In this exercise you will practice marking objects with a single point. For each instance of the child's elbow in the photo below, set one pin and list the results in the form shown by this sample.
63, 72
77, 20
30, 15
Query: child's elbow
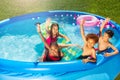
117, 51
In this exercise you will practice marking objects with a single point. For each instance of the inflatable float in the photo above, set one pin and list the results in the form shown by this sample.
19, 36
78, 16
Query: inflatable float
13, 68
90, 21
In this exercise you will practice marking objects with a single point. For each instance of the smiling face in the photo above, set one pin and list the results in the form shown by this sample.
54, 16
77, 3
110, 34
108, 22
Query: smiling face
54, 48
106, 37
90, 43
91, 39
55, 30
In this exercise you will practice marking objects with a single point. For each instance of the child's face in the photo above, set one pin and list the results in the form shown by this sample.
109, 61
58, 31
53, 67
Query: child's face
90, 43
54, 49
106, 37
55, 30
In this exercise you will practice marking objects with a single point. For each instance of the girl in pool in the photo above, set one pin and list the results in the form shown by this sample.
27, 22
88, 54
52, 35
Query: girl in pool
103, 43
53, 33
52, 51
89, 53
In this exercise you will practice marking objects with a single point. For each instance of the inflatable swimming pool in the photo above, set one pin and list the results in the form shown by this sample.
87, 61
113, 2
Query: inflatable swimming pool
21, 46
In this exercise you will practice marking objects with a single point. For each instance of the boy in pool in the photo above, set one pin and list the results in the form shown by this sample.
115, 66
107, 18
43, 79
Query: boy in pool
52, 51
103, 43
89, 53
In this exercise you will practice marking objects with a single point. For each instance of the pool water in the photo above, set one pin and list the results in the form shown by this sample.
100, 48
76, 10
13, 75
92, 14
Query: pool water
20, 41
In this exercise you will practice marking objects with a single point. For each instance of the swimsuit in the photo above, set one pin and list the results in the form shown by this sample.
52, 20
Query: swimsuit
48, 57
103, 51
49, 40
85, 57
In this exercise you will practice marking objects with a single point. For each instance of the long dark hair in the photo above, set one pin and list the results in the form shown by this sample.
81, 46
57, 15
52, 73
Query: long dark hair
53, 24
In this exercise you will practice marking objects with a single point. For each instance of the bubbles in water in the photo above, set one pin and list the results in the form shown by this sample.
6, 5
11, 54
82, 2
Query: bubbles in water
19, 47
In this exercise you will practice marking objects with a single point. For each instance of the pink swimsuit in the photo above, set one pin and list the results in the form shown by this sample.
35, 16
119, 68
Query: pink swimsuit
50, 40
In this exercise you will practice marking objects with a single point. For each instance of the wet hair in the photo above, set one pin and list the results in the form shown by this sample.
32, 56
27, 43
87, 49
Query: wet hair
92, 36
110, 33
53, 24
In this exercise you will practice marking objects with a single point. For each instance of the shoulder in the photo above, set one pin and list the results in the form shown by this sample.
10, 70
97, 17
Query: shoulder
110, 44
100, 38
60, 34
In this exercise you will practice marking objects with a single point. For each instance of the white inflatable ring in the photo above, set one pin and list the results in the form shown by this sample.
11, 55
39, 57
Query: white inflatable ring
90, 21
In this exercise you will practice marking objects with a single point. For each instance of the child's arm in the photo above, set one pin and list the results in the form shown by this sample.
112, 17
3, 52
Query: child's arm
61, 54
41, 36
92, 58
82, 30
103, 25
68, 45
66, 38
113, 53
47, 24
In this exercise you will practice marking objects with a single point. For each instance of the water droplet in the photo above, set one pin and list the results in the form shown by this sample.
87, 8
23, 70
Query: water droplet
73, 24
62, 15
67, 15
38, 17
33, 18
55, 15
71, 15
78, 15
74, 18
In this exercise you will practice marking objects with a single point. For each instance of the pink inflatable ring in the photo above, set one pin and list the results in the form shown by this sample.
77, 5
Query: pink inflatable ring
90, 21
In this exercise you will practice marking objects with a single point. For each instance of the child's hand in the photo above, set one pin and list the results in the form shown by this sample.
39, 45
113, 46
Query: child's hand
48, 21
77, 45
107, 54
107, 20
82, 22
38, 28
40, 59
103, 24
85, 60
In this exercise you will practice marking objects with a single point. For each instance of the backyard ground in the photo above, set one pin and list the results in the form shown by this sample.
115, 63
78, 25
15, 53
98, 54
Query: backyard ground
105, 8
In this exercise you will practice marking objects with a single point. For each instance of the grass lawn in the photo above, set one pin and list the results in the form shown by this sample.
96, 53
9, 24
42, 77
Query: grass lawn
105, 8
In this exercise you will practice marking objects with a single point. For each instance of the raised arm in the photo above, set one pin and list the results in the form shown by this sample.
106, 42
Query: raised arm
66, 38
103, 25
41, 36
82, 30
113, 53
47, 24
